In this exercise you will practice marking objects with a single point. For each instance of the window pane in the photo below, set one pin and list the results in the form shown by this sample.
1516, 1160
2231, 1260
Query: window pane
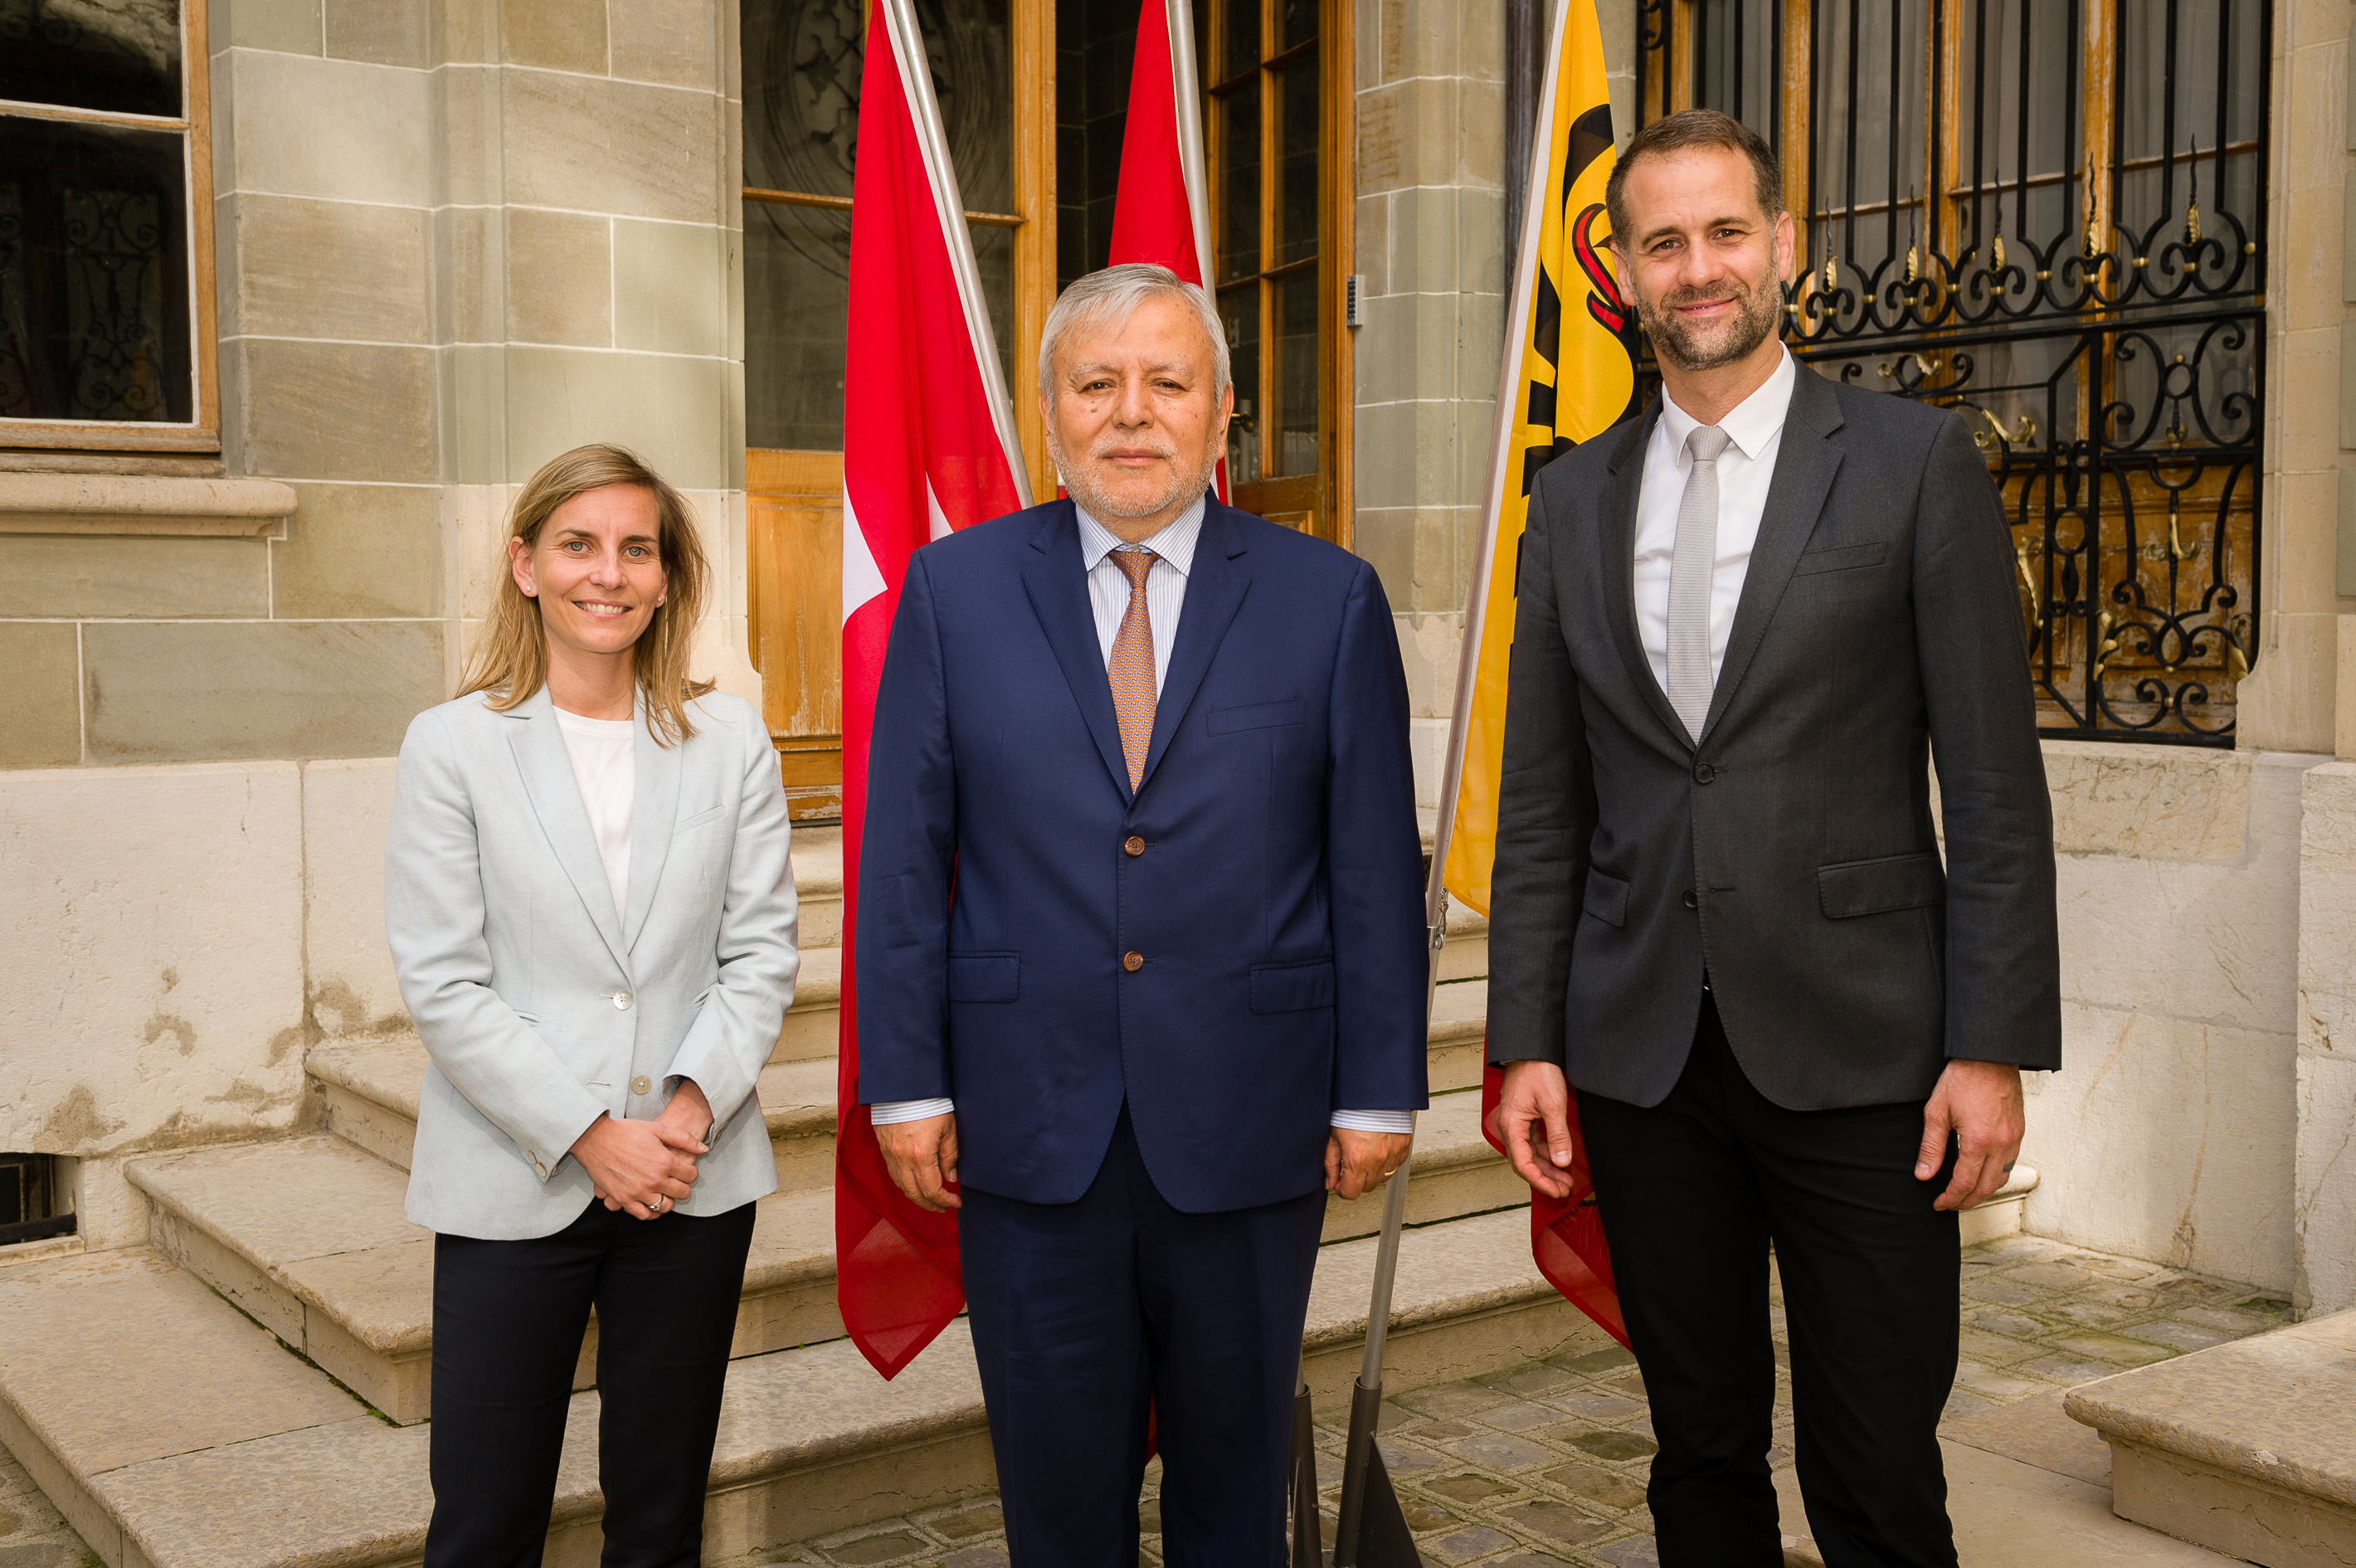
2215, 45
1239, 183
1296, 23
1869, 150
1296, 160
803, 60
94, 273
797, 272
2040, 84
1239, 27
1734, 60
1239, 307
121, 55
1296, 372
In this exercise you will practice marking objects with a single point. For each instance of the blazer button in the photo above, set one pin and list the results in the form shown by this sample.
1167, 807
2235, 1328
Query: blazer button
1704, 773
623, 999
1693, 900
1132, 847
1132, 961
642, 1084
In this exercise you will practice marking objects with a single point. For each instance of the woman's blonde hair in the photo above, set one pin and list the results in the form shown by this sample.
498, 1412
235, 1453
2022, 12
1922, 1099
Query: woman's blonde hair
511, 661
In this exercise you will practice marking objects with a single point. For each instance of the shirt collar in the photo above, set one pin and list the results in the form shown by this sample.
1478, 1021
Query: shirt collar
1751, 425
1174, 544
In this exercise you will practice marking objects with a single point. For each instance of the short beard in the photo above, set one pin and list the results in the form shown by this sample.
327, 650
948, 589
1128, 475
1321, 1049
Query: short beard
1185, 484
1756, 314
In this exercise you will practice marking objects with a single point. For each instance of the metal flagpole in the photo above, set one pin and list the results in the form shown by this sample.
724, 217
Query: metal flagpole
1370, 1530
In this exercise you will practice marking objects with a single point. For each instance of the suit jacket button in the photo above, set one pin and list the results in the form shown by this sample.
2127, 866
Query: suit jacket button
1132, 961
1704, 773
1132, 847
1693, 900
642, 1084
623, 999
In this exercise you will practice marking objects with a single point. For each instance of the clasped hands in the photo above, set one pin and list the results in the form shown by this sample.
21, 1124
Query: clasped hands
645, 1167
922, 1157
1979, 1103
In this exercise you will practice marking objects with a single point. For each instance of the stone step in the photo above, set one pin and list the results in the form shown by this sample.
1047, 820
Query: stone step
173, 1432
1465, 954
818, 886
2248, 1447
368, 1091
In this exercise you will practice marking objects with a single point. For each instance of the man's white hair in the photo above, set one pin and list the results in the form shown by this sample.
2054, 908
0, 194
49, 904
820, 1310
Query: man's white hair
1110, 298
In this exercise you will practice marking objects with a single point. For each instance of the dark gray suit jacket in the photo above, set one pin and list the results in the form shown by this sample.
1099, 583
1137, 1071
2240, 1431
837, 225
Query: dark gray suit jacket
1789, 856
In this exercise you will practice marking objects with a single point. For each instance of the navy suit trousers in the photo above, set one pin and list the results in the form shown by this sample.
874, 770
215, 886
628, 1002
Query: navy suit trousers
1085, 1314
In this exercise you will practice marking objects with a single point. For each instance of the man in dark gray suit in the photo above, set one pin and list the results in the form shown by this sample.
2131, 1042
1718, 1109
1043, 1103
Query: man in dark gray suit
1748, 621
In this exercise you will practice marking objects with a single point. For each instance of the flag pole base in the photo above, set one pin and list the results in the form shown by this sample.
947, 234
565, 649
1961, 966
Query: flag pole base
1372, 1530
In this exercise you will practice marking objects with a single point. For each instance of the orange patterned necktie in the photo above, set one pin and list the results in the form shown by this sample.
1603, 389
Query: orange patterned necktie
1131, 670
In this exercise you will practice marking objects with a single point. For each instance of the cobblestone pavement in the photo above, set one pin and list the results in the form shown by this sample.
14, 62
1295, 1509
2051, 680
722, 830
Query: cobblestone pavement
32, 1533
1545, 1463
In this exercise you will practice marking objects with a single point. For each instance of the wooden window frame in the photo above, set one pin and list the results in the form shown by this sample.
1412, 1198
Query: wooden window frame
200, 436
1321, 502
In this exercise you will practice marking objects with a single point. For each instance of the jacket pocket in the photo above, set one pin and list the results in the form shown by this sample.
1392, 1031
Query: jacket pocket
1254, 715
1841, 558
985, 976
1607, 897
688, 824
1292, 987
1878, 886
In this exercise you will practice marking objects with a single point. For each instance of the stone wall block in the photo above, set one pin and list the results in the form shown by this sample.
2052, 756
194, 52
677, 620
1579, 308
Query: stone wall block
1373, 217
1481, 264
2303, 537
281, 26
255, 689
463, 32
139, 1013
472, 519
561, 35
471, 163
469, 274
2326, 1213
96, 576
2344, 722
41, 703
325, 269
2149, 802
347, 813
668, 42
328, 411
327, 128
2169, 1140
1481, 133
1425, 248
2287, 703
359, 551
1385, 459
1480, 349
382, 32
1422, 40
671, 412
626, 149
669, 282
560, 278
1407, 349
1408, 136
1430, 649
2318, 92
2308, 294
1384, 538
472, 381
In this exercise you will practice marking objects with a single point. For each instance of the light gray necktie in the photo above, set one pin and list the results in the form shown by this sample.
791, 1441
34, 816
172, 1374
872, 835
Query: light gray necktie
1692, 572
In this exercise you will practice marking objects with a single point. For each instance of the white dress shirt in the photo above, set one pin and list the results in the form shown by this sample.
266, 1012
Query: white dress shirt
1755, 430
1166, 596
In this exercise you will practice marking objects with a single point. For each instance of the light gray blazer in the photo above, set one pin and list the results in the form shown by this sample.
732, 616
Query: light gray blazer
540, 1009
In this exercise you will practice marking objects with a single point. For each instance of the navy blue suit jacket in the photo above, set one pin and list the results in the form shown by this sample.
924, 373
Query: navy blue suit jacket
1276, 904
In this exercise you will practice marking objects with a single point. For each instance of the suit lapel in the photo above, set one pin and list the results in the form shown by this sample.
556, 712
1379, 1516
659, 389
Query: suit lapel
1059, 597
555, 795
1215, 591
1804, 466
1619, 534
654, 809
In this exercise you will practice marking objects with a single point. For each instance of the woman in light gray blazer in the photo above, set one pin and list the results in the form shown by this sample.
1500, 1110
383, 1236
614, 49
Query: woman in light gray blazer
591, 908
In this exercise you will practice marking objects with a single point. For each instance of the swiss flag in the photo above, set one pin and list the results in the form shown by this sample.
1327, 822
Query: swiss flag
1161, 212
928, 445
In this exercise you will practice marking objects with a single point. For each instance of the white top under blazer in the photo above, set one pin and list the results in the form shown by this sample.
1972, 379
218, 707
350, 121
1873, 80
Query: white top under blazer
544, 1002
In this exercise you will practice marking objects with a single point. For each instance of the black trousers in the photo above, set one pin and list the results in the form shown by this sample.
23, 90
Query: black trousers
1692, 1191
1085, 1313
507, 1322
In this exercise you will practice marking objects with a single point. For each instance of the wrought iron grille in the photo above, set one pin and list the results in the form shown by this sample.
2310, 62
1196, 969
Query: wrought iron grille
2084, 281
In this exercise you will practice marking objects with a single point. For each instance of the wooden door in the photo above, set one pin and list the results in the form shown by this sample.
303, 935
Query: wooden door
793, 524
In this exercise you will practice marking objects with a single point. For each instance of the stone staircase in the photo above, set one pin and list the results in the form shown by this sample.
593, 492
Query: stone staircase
250, 1385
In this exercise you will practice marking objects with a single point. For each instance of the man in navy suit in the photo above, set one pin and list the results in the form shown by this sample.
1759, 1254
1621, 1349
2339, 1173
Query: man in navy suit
1141, 953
